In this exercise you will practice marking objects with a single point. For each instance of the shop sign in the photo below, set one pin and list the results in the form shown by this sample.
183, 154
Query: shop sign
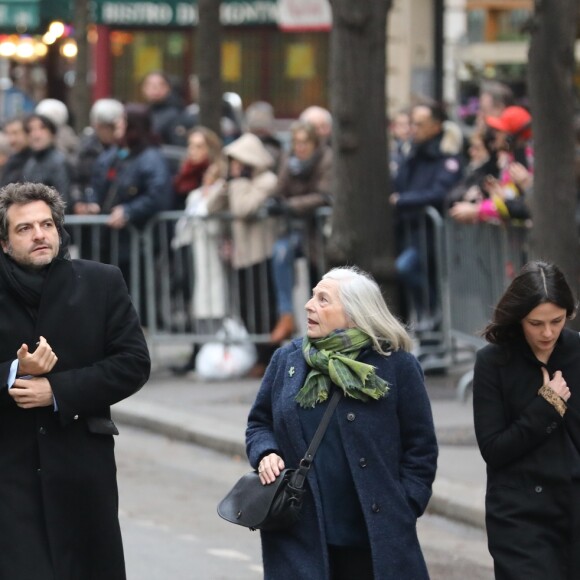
19, 15
300, 15
177, 13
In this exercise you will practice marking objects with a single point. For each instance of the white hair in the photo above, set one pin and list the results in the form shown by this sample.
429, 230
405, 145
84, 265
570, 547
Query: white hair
106, 112
367, 310
54, 110
315, 115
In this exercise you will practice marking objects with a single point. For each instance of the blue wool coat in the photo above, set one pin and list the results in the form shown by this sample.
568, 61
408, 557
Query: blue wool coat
391, 451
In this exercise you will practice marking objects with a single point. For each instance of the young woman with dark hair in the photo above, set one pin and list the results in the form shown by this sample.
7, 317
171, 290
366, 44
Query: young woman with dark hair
527, 423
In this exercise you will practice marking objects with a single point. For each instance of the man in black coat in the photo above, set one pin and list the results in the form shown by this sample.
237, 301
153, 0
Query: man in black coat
70, 347
425, 177
166, 108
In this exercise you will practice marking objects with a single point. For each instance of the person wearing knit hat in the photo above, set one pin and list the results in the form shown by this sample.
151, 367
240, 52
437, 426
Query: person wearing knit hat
250, 183
260, 122
67, 140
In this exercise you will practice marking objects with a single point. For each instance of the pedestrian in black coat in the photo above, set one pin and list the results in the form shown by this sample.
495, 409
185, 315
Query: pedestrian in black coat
526, 399
70, 347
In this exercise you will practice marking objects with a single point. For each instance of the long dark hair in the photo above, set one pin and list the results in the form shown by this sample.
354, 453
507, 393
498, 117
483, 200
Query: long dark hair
537, 283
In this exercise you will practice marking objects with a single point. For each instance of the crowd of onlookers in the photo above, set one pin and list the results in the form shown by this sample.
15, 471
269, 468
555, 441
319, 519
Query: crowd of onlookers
138, 159
481, 173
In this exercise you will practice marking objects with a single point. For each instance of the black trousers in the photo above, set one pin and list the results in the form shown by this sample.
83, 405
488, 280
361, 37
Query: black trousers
350, 563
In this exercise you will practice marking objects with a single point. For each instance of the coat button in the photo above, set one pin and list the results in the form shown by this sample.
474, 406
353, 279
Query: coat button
42, 431
76, 417
549, 429
376, 508
350, 416
362, 462
554, 425
538, 489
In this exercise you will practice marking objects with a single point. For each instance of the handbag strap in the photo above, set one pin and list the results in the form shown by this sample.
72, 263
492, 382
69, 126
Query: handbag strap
300, 474
322, 427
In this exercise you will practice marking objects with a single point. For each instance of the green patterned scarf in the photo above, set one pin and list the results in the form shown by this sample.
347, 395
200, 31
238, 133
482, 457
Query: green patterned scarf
332, 361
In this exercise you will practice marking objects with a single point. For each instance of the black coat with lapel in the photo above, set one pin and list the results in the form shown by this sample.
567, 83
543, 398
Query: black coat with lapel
58, 491
529, 451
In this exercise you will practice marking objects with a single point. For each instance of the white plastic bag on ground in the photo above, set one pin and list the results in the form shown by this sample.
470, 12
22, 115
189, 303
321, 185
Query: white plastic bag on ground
231, 356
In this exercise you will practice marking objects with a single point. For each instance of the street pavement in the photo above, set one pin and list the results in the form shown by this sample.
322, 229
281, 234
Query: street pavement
213, 414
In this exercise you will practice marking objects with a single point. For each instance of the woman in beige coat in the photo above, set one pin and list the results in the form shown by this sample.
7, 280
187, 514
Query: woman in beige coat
249, 183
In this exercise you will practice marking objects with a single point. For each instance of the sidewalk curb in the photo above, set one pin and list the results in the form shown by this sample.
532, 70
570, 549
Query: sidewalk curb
459, 502
456, 501
180, 425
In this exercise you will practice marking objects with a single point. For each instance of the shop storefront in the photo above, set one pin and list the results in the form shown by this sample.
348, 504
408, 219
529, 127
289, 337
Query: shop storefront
259, 60
35, 48
262, 57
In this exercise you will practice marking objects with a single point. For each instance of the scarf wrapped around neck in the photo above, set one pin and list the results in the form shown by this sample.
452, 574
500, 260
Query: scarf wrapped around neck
332, 361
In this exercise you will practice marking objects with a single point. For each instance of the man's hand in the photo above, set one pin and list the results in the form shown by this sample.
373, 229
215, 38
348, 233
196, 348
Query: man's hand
117, 219
31, 393
40, 362
82, 208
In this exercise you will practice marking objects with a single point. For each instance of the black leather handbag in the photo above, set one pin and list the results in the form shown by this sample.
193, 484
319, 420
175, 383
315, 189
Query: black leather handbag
277, 505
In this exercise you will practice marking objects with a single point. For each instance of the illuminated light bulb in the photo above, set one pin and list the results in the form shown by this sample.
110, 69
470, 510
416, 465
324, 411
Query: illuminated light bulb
49, 38
7, 49
40, 49
69, 49
25, 50
56, 28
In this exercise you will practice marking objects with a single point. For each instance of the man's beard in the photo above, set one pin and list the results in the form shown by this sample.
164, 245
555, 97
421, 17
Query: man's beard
28, 264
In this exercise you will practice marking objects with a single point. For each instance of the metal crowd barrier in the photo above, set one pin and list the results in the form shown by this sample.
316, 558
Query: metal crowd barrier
174, 260
425, 230
482, 259
181, 272
93, 239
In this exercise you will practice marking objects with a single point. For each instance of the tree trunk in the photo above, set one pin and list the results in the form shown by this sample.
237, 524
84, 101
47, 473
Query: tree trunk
81, 92
209, 64
551, 69
362, 223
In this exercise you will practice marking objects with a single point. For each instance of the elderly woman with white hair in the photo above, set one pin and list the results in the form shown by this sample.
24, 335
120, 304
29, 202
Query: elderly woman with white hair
372, 474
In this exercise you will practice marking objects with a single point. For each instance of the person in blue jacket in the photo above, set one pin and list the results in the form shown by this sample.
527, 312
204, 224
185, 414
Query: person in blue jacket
131, 182
424, 178
372, 475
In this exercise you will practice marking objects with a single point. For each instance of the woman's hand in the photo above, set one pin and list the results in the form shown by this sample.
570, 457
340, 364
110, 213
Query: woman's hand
270, 467
557, 384
520, 175
465, 212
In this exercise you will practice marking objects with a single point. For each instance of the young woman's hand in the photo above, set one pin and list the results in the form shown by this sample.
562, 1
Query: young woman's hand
557, 384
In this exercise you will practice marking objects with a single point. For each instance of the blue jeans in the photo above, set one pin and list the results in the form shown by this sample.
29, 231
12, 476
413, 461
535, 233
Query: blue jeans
285, 250
412, 273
